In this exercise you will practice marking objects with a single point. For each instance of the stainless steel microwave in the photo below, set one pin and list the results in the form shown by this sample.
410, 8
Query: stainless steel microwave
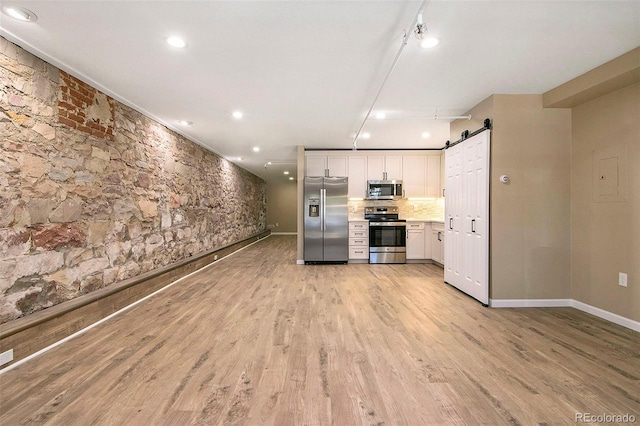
384, 189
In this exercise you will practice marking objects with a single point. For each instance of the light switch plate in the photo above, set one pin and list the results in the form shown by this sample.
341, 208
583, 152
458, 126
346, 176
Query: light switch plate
622, 279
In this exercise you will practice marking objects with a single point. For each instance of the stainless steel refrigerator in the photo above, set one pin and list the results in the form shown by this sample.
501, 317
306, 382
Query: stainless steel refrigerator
326, 226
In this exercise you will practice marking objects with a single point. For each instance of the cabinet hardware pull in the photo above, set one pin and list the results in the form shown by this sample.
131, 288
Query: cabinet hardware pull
473, 225
439, 237
450, 223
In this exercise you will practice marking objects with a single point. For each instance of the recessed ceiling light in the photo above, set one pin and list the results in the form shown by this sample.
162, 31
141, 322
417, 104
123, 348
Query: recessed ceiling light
185, 122
20, 13
237, 114
426, 135
366, 135
177, 42
429, 42
286, 172
269, 162
381, 115
290, 177
256, 149
240, 158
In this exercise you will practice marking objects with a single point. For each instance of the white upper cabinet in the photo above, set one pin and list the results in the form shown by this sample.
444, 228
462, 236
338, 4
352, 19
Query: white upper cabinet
337, 165
421, 176
433, 176
420, 172
318, 164
357, 176
414, 176
384, 167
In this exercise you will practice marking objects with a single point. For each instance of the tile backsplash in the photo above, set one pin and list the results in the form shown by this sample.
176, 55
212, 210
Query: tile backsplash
427, 209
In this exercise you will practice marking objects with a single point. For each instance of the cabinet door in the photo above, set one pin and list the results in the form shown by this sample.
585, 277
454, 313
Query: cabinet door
433, 176
436, 245
393, 167
337, 166
415, 244
414, 174
357, 177
375, 167
316, 165
428, 252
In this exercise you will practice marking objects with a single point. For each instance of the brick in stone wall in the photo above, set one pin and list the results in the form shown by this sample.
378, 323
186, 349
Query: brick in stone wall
81, 210
84, 108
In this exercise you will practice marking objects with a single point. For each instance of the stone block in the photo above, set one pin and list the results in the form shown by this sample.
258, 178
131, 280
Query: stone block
124, 210
97, 232
58, 236
48, 132
101, 154
34, 166
14, 242
60, 174
39, 209
38, 264
70, 210
152, 243
7, 211
149, 209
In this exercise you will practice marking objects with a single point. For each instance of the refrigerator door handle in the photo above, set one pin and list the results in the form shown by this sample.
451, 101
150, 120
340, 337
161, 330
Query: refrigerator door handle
323, 202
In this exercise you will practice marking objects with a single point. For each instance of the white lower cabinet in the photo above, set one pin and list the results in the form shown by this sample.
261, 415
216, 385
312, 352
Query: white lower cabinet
418, 240
359, 240
437, 243
415, 241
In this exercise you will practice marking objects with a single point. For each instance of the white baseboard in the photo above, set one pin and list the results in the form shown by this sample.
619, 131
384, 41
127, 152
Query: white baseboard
299, 262
556, 303
284, 233
529, 303
606, 315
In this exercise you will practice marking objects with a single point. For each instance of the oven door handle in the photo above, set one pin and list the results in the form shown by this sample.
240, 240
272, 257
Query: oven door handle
396, 224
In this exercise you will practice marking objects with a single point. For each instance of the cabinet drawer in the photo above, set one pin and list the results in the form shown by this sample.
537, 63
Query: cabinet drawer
438, 226
358, 225
415, 225
359, 242
354, 233
358, 252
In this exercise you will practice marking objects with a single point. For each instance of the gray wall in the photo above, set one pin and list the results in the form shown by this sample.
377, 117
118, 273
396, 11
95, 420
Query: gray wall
606, 232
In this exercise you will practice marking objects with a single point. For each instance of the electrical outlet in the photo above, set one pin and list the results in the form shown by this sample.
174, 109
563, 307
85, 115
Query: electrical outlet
215, 257
415, 207
277, 224
6, 357
622, 279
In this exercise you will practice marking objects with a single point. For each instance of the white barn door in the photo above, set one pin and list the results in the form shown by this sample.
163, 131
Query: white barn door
467, 216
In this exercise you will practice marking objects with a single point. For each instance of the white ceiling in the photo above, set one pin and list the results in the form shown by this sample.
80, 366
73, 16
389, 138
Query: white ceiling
306, 72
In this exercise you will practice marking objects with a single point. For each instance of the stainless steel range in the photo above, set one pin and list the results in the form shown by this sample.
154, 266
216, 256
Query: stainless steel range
387, 235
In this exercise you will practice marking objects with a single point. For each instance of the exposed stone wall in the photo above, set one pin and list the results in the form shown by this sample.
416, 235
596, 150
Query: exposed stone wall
93, 192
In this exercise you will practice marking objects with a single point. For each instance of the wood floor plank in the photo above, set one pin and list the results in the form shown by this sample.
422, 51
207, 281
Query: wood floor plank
257, 340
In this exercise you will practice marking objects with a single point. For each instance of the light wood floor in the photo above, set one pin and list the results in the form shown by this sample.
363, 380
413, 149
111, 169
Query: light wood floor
255, 339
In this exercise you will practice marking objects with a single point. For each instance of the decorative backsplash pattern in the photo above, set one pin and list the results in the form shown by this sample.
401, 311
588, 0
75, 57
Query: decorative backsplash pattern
427, 209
